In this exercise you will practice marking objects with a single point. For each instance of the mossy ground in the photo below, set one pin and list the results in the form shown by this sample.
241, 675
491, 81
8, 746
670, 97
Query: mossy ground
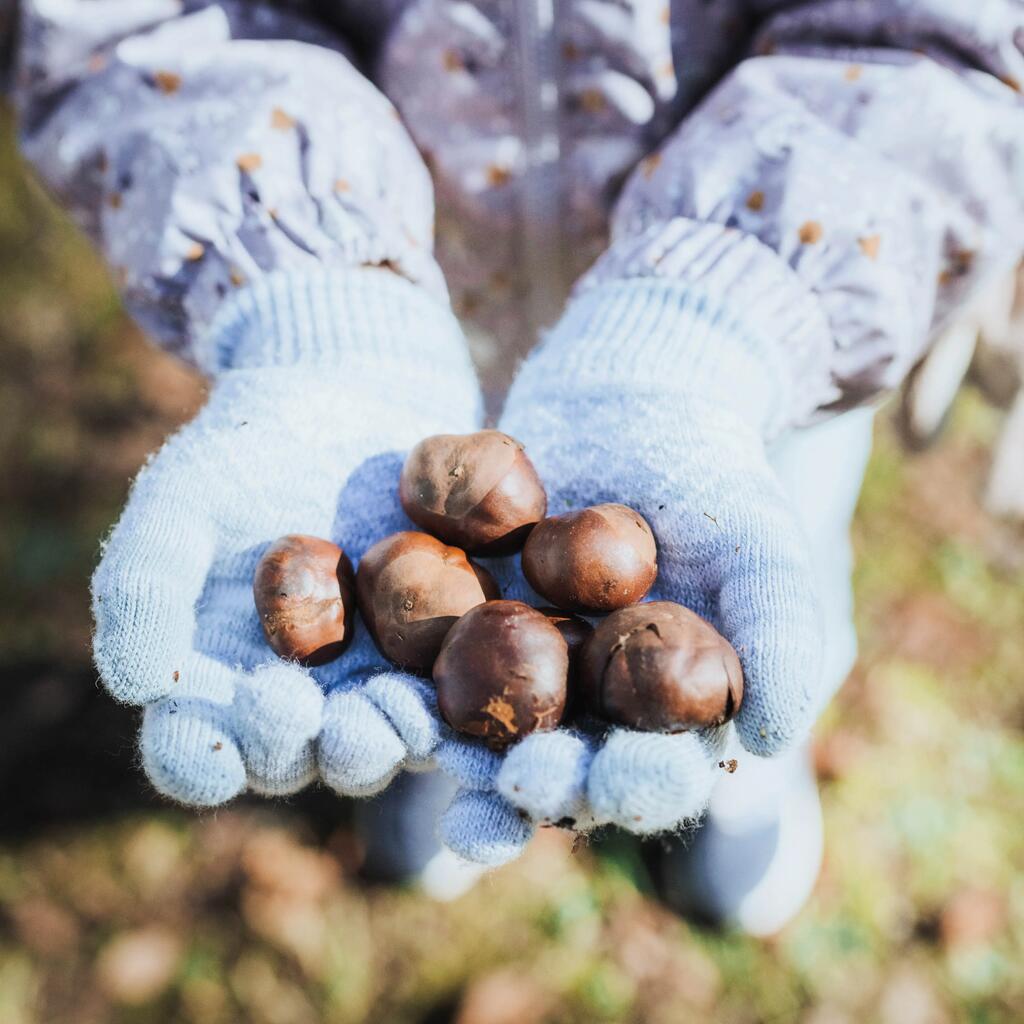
256, 913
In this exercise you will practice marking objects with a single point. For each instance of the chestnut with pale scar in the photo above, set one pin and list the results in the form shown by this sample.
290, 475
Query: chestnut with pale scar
304, 594
502, 673
659, 667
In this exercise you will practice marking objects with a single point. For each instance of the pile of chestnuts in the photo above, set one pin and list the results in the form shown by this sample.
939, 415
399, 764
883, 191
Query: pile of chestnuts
503, 669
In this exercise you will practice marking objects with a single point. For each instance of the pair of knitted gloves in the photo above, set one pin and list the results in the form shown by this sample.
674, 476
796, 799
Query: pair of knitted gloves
652, 390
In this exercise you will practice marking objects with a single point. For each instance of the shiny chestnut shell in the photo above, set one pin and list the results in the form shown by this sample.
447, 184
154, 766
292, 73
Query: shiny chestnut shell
303, 588
575, 632
477, 491
659, 667
411, 589
595, 559
502, 673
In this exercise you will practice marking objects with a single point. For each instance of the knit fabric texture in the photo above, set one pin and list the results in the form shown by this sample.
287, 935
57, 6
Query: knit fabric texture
647, 392
657, 393
325, 381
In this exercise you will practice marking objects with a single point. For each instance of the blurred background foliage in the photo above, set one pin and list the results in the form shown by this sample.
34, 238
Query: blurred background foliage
115, 907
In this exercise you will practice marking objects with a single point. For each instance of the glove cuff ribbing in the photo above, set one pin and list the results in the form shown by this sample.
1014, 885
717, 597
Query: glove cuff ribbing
333, 317
692, 309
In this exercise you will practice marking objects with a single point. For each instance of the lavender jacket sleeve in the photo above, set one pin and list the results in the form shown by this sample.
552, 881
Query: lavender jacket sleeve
843, 191
193, 143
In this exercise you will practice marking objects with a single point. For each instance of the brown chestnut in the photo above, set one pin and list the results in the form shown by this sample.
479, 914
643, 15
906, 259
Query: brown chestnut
411, 589
303, 589
659, 667
502, 673
592, 560
575, 632
477, 491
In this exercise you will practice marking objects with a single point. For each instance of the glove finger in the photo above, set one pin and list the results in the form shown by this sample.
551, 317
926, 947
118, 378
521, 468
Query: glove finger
732, 551
649, 782
358, 750
545, 775
145, 589
768, 610
277, 712
484, 828
188, 741
470, 763
409, 704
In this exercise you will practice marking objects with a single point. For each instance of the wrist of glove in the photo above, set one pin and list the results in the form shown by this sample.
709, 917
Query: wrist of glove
658, 389
323, 382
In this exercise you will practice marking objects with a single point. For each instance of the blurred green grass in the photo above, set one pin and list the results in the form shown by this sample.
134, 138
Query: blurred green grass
250, 915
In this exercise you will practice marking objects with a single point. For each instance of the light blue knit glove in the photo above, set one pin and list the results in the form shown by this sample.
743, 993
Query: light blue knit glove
658, 390
322, 382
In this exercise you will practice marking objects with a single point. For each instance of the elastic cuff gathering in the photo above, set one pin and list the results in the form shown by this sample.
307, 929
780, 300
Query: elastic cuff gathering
334, 317
698, 307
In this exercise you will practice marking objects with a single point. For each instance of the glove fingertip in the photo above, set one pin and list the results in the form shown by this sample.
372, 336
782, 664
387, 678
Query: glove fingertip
189, 752
765, 737
131, 650
277, 713
775, 717
483, 828
545, 775
781, 646
409, 705
648, 783
358, 752
145, 588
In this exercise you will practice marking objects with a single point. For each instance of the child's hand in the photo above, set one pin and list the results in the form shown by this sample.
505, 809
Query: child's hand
328, 381
635, 400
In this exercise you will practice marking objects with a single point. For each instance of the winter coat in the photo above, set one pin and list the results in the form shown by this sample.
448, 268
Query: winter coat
851, 172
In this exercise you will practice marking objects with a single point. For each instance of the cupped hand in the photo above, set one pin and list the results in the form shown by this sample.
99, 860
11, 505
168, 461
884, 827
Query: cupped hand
687, 452
327, 384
